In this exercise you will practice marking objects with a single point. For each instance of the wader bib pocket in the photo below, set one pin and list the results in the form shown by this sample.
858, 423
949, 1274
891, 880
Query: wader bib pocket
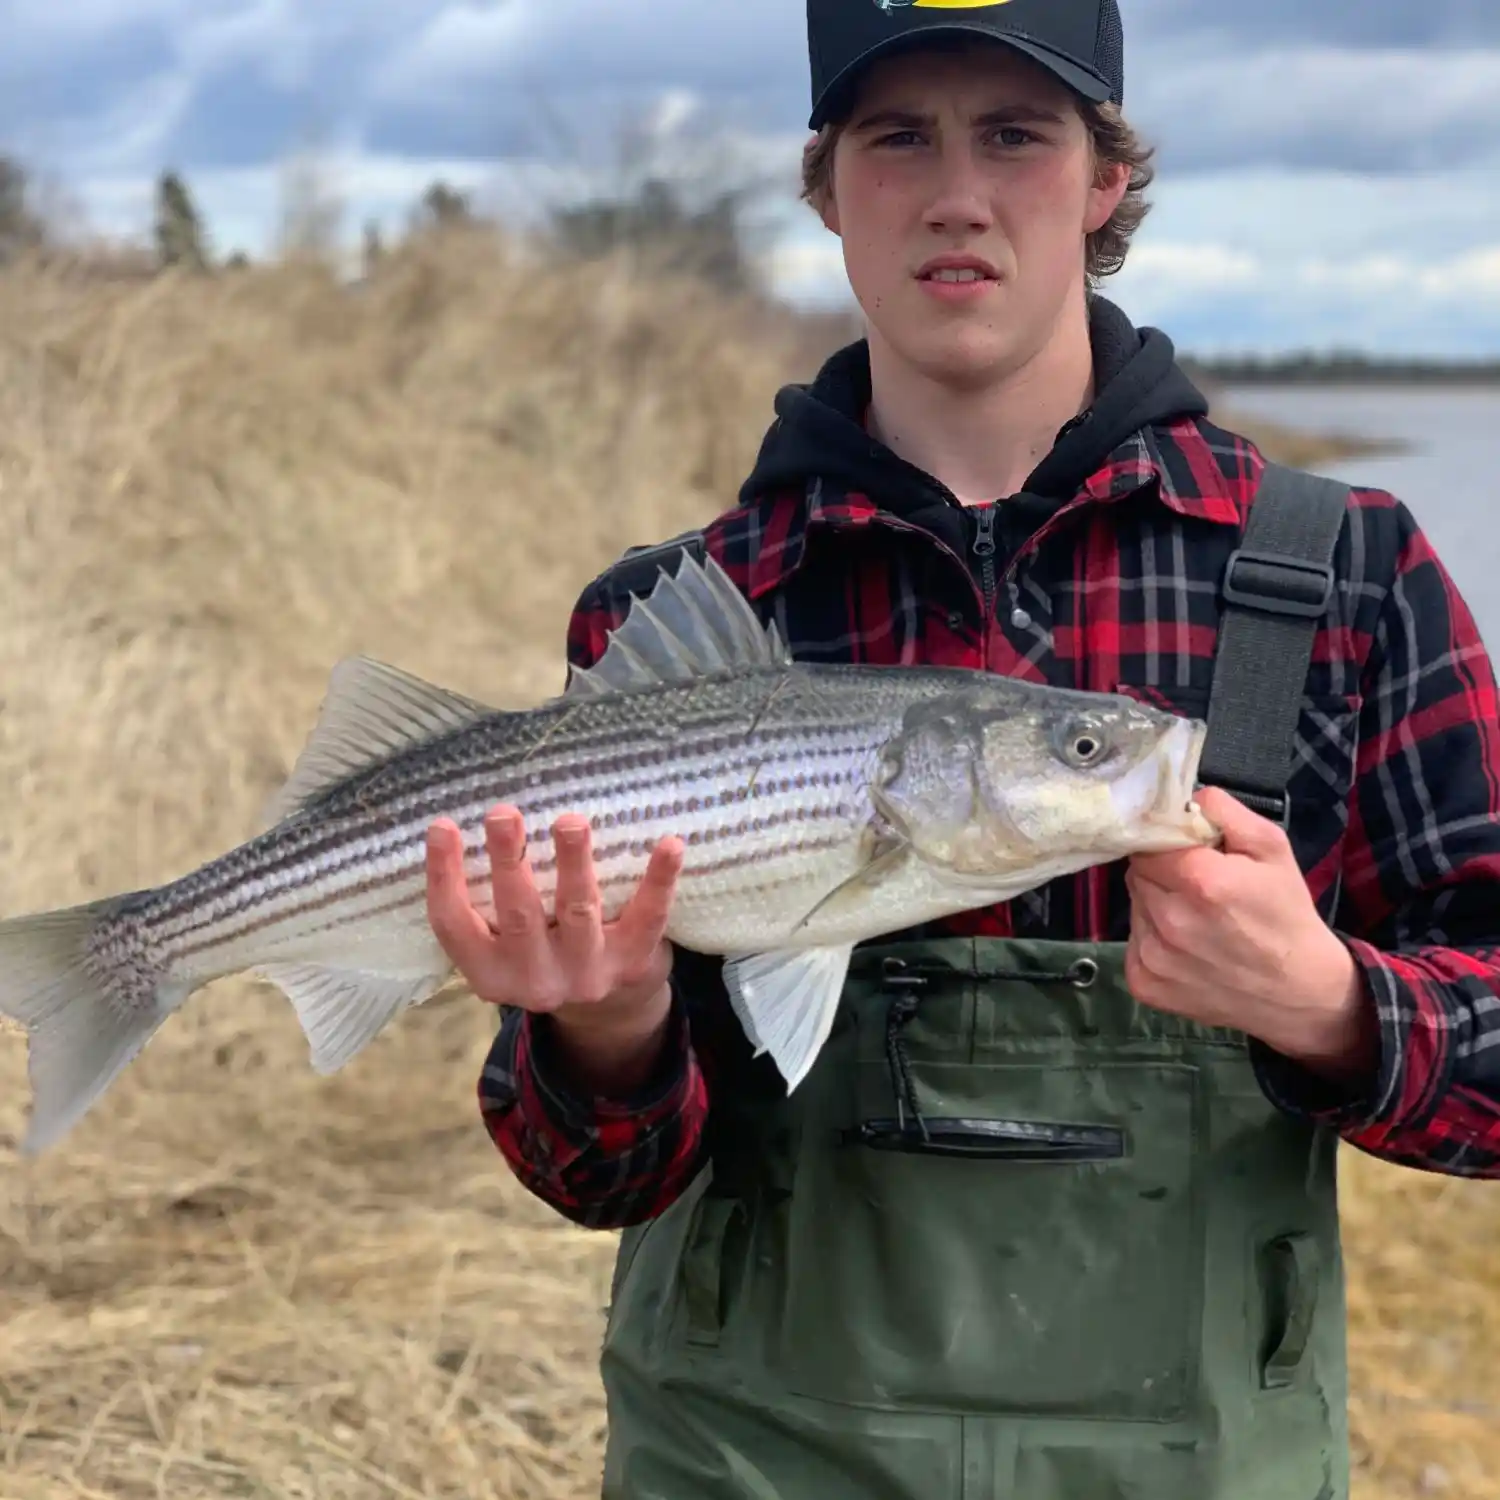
1013, 1208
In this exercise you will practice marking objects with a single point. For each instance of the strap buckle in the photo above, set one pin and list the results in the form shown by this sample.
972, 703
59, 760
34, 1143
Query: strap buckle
1275, 806
1285, 595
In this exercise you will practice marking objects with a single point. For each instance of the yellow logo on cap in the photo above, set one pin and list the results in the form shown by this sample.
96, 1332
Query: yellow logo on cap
941, 4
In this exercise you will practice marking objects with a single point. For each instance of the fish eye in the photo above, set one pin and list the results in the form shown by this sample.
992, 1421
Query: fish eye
1085, 746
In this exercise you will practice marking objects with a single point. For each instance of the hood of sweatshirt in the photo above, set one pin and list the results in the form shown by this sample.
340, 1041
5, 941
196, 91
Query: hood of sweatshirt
819, 428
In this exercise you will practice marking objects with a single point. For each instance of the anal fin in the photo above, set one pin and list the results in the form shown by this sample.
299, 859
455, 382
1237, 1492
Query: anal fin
343, 1010
786, 1000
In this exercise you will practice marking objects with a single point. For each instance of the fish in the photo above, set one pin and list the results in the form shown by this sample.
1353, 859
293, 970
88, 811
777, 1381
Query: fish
820, 805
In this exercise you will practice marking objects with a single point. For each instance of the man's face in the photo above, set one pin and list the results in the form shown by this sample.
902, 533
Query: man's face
977, 157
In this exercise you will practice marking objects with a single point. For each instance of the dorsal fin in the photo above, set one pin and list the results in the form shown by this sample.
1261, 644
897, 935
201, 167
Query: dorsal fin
369, 711
691, 624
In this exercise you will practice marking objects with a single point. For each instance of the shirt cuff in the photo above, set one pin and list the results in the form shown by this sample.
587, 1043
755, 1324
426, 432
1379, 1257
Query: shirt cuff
1348, 1105
577, 1112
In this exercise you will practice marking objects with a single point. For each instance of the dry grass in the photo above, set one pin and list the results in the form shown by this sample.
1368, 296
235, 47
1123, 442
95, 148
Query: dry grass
236, 1278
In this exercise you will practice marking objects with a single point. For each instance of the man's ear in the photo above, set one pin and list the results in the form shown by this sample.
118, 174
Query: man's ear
1110, 183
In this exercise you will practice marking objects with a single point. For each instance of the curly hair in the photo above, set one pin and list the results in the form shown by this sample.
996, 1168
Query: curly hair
1115, 142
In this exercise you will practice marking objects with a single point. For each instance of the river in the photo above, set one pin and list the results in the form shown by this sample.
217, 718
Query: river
1448, 473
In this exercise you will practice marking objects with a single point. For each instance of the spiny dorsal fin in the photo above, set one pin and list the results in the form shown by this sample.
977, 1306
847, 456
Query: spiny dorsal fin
691, 624
370, 711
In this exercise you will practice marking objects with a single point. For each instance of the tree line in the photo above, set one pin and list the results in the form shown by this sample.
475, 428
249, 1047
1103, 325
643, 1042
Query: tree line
655, 217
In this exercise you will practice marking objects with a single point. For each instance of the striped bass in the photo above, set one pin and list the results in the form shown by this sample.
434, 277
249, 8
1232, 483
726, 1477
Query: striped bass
820, 806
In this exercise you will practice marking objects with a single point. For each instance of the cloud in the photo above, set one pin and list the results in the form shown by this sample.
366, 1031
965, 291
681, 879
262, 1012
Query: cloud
558, 79
1361, 110
1343, 23
1178, 274
1189, 267
1215, 298
51, 101
582, 45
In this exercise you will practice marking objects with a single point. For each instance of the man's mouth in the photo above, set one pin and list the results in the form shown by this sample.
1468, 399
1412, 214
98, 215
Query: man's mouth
957, 269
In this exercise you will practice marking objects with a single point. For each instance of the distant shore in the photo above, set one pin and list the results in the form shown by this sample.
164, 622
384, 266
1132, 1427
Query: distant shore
1341, 369
1299, 448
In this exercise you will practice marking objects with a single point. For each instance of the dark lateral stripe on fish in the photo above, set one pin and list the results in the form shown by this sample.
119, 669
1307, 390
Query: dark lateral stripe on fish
436, 796
219, 933
347, 820
391, 836
606, 884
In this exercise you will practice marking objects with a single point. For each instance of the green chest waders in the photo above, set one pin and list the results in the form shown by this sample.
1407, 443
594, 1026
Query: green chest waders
1015, 1235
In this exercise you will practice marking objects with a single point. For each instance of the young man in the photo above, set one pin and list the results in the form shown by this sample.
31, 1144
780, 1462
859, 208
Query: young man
1054, 1213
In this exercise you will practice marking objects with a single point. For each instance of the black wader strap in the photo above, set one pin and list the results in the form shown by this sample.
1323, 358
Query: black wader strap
1277, 587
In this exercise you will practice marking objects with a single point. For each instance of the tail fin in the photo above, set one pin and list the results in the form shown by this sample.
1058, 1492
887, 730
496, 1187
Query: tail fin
81, 1035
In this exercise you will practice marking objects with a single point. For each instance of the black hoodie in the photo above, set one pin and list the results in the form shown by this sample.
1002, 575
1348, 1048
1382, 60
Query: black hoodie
819, 431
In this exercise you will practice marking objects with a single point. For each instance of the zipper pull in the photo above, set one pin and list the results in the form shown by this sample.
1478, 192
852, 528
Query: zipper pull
984, 549
984, 537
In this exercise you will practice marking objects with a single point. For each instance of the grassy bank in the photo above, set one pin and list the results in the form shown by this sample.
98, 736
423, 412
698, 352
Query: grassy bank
239, 1279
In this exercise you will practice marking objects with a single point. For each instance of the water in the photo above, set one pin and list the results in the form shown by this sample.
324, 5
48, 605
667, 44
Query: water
1448, 475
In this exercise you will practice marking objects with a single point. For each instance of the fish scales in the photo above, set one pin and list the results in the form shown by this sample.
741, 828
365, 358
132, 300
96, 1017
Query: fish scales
819, 805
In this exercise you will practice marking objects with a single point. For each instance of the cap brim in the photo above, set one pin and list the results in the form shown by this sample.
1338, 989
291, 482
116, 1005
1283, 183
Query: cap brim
1081, 80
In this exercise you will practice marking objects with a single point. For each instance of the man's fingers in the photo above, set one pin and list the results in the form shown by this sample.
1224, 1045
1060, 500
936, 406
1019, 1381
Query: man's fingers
1146, 884
643, 922
519, 917
511, 888
519, 955
461, 932
1245, 831
580, 933
1150, 950
1165, 870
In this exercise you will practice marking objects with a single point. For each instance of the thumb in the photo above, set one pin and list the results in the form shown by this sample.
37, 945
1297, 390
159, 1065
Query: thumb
1244, 832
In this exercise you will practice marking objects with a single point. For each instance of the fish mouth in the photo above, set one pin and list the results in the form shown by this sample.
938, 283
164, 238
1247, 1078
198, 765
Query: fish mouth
1173, 820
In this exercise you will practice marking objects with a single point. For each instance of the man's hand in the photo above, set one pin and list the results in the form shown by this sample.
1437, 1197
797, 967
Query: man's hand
1231, 937
603, 985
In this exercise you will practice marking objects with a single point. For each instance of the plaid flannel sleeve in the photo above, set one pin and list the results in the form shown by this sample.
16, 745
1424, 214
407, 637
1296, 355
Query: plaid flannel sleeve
1420, 903
601, 1162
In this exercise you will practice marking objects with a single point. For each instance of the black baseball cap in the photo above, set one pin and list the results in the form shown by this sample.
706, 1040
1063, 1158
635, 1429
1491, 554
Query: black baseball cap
1080, 41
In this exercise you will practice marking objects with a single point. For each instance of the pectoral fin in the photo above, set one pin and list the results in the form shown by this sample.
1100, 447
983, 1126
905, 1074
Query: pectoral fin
887, 856
786, 1001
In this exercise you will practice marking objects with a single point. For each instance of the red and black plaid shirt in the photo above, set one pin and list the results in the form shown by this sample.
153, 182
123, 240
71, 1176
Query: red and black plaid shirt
1395, 791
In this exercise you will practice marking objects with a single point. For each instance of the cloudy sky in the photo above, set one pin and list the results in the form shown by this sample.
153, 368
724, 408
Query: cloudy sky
1329, 169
